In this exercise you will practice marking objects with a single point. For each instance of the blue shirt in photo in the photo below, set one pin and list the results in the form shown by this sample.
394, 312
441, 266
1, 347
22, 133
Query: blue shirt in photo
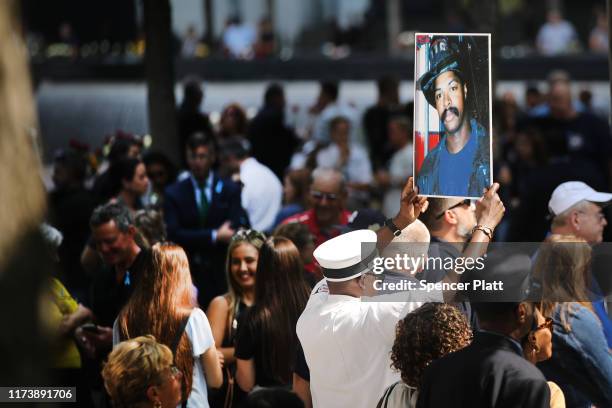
456, 169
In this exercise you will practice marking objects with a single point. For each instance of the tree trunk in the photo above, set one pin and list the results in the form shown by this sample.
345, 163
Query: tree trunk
159, 74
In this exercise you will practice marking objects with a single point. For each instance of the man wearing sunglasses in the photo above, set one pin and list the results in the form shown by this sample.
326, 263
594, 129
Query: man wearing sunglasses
327, 211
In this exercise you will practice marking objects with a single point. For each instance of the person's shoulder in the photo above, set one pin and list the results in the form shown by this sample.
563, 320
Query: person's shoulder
510, 364
197, 317
219, 303
178, 186
301, 217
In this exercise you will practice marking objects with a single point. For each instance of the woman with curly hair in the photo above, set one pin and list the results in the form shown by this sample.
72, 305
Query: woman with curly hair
426, 334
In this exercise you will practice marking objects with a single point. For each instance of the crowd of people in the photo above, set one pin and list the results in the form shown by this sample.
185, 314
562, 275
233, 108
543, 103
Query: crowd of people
234, 278
342, 27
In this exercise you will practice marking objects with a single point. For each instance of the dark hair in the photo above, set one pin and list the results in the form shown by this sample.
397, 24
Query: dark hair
150, 224
199, 139
300, 180
236, 146
74, 162
387, 83
297, 232
158, 158
111, 212
281, 293
122, 170
492, 311
192, 93
426, 334
330, 89
436, 207
273, 91
239, 114
120, 148
273, 398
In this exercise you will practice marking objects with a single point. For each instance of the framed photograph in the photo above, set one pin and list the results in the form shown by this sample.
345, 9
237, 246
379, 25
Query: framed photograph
452, 114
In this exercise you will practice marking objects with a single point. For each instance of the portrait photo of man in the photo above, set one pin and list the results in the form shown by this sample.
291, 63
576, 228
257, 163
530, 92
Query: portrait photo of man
452, 117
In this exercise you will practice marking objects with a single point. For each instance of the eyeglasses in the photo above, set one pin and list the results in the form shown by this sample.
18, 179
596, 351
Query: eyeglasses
248, 235
319, 195
467, 202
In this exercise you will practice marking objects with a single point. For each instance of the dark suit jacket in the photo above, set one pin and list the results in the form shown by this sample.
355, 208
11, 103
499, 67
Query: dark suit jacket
182, 217
491, 372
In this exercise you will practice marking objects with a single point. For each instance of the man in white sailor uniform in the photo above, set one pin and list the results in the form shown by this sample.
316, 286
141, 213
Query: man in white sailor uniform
346, 339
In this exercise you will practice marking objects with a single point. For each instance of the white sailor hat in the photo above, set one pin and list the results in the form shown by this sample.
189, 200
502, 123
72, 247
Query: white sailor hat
346, 256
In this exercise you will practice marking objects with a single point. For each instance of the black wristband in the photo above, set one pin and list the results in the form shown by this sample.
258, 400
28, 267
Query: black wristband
389, 224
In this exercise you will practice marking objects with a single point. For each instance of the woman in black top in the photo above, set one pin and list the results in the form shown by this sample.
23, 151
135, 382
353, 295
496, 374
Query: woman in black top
266, 342
224, 312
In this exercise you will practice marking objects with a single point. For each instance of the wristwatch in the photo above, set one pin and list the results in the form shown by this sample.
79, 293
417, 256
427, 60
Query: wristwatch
389, 224
486, 230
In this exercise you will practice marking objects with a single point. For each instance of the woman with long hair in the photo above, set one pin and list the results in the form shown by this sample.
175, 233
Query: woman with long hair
266, 343
225, 311
164, 305
581, 364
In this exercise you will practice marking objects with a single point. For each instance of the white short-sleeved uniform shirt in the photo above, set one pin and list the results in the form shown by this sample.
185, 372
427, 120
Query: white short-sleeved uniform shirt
347, 344
200, 335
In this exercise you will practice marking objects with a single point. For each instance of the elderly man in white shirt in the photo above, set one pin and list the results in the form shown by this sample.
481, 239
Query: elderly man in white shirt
262, 191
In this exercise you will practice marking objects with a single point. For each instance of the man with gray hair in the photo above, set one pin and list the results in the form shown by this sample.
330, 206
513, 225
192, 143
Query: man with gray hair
114, 236
577, 210
327, 200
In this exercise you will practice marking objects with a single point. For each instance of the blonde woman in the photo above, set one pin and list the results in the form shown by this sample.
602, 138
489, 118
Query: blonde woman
140, 373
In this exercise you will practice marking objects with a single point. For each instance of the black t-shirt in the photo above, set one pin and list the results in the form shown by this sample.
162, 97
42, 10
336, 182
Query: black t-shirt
108, 296
248, 347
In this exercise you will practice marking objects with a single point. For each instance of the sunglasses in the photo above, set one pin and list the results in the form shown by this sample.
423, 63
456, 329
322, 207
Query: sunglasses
174, 371
467, 202
318, 195
248, 235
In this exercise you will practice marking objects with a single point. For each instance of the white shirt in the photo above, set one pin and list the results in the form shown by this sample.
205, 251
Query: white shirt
357, 168
347, 344
556, 38
400, 168
200, 335
262, 194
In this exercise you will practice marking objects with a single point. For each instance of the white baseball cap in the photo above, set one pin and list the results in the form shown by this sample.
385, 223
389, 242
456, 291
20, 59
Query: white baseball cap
571, 193
346, 256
